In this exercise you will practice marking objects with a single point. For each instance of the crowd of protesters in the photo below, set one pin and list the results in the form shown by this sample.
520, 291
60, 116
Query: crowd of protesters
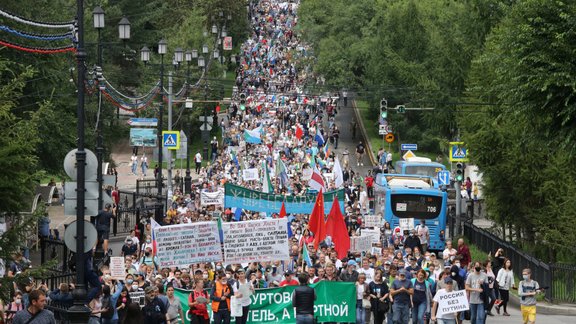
297, 132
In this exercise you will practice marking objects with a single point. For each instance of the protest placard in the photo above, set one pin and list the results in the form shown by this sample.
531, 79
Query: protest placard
138, 297
185, 244
306, 174
406, 224
372, 220
256, 241
360, 243
250, 174
451, 302
117, 269
373, 233
212, 198
376, 251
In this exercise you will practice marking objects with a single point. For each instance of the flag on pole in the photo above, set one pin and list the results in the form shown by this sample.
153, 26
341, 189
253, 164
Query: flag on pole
220, 231
317, 223
306, 256
234, 158
253, 136
266, 183
237, 213
338, 174
282, 215
282, 211
282, 172
299, 132
319, 138
316, 182
153, 226
336, 228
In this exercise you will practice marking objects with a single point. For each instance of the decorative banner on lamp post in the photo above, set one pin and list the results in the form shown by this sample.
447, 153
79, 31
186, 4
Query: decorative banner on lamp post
227, 43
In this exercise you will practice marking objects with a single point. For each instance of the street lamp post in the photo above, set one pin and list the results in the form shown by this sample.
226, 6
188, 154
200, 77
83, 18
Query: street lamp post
98, 15
79, 313
162, 48
188, 179
124, 32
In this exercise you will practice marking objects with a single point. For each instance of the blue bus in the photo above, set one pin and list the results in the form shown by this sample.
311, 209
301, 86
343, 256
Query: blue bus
420, 166
412, 197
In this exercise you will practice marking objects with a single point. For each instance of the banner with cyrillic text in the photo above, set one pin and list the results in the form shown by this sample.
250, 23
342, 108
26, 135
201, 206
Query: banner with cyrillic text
241, 197
360, 243
372, 220
335, 302
256, 241
250, 174
185, 244
212, 198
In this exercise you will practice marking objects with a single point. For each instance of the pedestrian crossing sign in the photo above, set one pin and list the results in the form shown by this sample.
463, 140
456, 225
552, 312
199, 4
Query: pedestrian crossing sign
171, 140
458, 152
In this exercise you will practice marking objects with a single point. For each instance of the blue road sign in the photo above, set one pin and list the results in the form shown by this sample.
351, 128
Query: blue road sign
409, 147
150, 122
444, 178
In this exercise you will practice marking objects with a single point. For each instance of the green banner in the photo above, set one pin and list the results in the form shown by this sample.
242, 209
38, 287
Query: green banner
241, 197
335, 302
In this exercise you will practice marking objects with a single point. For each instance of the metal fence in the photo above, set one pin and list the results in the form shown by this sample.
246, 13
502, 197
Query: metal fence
51, 249
560, 278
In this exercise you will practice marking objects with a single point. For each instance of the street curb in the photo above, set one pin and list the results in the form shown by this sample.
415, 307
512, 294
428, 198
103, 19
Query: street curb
363, 130
544, 308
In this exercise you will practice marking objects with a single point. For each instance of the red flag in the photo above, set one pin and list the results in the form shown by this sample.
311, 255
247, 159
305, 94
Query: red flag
299, 132
317, 224
336, 228
282, 211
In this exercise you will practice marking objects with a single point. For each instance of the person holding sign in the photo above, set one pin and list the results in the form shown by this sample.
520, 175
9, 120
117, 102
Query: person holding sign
445, 318
197, 302
243, 289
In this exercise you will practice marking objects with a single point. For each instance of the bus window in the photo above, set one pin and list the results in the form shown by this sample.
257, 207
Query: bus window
416, 206
423, 170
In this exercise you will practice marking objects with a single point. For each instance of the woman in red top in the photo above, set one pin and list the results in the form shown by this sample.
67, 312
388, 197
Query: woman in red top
197, 302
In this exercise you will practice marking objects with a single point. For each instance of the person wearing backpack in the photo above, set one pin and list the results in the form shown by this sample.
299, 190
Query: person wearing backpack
109, 314
421, 299
243, 289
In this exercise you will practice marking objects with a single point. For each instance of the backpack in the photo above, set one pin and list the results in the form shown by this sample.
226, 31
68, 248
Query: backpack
107, 303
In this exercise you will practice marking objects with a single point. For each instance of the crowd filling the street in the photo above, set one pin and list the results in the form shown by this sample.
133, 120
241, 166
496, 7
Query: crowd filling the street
279, 142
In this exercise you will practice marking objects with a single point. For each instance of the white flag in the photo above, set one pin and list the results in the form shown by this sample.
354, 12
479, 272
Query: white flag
338, 175
316, 182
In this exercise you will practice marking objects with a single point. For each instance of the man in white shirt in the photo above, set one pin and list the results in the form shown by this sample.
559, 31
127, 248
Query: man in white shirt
198, 161
449, 253
369, 272
423, 234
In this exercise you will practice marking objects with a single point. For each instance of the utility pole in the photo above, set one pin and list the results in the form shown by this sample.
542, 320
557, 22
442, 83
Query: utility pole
169, 159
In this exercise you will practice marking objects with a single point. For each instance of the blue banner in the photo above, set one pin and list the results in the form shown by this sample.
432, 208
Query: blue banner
241, 197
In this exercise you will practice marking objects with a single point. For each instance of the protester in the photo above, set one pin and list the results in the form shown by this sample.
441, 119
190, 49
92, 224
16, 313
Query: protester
243, 289
220, 297
505, 279
474, 285
103, 225
447, 318
197, 303
303, 299
35, 313
401, 293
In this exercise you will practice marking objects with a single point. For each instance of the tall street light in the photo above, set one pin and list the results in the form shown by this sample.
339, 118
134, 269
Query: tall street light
79, 313
162, 49
188, 179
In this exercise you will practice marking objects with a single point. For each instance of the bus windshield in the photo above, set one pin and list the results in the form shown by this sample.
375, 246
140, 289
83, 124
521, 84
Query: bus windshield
425, 170
416, 206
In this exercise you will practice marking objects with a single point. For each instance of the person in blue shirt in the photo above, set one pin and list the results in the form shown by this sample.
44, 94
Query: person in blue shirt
401, 291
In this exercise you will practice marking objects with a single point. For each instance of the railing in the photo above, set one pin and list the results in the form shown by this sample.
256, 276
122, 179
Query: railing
54, 250
560, 278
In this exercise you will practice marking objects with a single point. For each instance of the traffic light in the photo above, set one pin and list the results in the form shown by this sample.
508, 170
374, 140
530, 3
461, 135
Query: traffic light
401, 109
459, 171
383, 108
242, 101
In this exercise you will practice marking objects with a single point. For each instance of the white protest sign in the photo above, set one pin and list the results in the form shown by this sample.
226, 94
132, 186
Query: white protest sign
306, 174
360, 243
406, 224
250, 174
376, 251
212, 198
117, 268
451, 302
372, 220
256, 241
138, 297
374, 234
185, 244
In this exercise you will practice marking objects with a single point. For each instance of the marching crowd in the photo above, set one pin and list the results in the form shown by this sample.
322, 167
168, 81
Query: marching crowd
282, 129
